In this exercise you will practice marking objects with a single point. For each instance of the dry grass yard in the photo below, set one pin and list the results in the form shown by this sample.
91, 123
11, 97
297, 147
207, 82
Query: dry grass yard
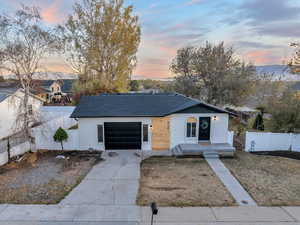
41, 178
270, 180
181, 182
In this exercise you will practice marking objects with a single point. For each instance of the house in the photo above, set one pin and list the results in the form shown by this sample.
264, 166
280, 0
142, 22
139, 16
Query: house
150, 122
10, 100
55, 91
242, 112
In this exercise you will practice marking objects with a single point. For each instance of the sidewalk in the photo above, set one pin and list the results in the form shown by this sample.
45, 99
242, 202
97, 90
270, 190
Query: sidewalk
242, 215
76, 215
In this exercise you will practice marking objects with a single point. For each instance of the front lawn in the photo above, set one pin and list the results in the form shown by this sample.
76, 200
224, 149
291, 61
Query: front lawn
270, 180
42, 178
181, 182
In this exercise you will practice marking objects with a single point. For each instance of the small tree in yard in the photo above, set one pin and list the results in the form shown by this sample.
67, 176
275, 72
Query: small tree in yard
259, 120
60, 136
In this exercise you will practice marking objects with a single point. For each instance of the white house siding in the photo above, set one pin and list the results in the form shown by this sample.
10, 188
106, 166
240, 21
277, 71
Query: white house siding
88, 137
88, 134
8, 112
44, 133
218, 132
53, 112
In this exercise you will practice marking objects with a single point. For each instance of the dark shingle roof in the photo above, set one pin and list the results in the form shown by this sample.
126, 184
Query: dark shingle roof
3, 97
7, 89
135, 105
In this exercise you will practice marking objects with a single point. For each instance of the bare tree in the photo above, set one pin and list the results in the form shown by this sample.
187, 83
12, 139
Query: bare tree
24, 42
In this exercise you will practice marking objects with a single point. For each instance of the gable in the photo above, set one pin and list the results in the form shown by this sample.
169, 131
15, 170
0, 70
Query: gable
200, 109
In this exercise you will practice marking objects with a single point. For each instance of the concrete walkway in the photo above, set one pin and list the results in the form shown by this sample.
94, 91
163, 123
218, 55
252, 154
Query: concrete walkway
233, 186
243, 215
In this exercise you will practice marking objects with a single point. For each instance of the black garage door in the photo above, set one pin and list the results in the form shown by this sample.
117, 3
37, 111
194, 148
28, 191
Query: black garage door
122, 136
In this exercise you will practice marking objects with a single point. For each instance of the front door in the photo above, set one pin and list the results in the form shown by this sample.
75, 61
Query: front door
204, 128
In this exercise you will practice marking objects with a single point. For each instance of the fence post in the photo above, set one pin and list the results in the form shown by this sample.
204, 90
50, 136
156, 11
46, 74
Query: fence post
8, 150
291, 142
247, 146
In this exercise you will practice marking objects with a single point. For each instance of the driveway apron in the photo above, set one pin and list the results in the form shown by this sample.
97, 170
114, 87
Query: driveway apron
114, 181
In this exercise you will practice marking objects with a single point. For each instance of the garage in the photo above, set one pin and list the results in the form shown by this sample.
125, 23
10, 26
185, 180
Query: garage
123, 135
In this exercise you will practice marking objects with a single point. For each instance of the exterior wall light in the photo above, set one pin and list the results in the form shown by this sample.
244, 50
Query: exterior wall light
215, 118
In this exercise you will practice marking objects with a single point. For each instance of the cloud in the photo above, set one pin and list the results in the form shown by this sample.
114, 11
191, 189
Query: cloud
253, 44
263, 57
264, 11
280, 30
51, 13
194, 2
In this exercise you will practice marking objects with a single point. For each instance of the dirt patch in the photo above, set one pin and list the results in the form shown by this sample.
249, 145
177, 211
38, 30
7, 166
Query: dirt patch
41, 178
181, 182
285, 154
270, 180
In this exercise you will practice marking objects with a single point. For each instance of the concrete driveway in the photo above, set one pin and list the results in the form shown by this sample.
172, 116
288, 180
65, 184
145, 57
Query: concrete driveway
107, 182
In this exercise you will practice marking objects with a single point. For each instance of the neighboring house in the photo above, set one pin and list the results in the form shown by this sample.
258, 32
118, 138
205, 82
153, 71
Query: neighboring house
10, 99
148, 122
55, 91
243, 112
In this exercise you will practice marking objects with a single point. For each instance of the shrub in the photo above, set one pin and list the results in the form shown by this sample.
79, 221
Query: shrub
60, 136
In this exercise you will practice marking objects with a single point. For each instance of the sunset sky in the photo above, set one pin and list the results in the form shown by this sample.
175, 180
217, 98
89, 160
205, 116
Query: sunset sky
259, 30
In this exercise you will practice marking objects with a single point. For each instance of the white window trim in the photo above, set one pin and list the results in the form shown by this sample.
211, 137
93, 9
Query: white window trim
185, 130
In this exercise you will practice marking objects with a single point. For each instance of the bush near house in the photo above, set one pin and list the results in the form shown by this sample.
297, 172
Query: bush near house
60, 136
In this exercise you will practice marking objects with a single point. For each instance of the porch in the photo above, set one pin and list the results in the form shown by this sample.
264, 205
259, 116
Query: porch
222, 149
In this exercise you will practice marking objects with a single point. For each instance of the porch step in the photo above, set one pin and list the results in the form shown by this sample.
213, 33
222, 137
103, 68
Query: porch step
176, 151
211, 155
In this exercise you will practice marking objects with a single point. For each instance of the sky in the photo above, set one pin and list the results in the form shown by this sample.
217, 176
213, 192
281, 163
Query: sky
259, 30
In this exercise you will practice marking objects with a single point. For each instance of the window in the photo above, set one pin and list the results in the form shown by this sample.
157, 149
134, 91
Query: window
191, 129
100, 133
145, 133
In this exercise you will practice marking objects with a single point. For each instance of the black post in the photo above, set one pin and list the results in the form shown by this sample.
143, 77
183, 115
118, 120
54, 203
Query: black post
154, 210
8, 150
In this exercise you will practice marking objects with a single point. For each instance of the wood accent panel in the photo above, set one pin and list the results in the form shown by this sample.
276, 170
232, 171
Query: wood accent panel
160, 133
192, 120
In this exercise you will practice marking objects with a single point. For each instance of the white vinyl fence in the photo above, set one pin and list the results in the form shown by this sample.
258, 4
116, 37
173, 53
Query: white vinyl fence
52, 112
56, 117
230, 137
44, 134
264, 141
14, 151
